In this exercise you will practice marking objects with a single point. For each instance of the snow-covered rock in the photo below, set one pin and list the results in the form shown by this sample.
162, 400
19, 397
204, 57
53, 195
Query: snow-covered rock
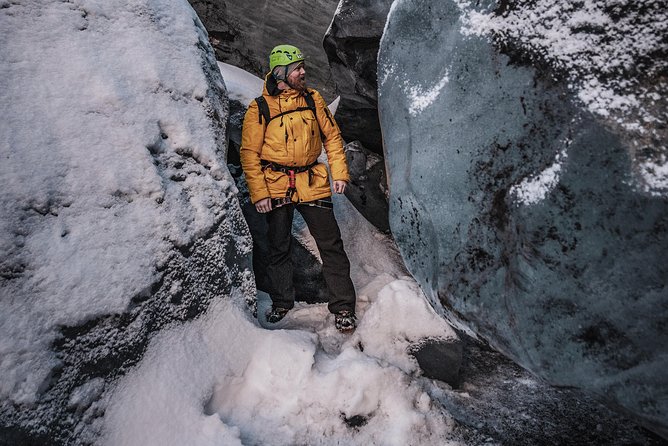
351, 44
118, 215
526, 150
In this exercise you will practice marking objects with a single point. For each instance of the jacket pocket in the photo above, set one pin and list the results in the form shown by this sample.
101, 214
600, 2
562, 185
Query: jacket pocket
319, 181
277, 182
312, 134
275, 141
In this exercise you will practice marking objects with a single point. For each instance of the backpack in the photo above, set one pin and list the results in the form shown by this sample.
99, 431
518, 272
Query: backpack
263, 107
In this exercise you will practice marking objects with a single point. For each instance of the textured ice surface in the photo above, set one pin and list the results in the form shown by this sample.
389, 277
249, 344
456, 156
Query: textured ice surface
520, 209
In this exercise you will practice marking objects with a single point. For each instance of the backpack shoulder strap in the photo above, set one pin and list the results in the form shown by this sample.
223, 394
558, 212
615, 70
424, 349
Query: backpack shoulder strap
311, 104
263, 107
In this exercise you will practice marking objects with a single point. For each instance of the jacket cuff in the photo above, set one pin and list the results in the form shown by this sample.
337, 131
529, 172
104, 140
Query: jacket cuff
256, 198
346, 179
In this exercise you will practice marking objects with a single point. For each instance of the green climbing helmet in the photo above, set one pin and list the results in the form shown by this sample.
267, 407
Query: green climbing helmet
283, 55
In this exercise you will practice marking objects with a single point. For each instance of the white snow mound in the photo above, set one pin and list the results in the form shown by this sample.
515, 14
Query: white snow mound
110, 158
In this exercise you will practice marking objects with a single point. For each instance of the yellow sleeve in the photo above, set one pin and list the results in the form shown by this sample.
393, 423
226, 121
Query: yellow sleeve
252, 139
338, 164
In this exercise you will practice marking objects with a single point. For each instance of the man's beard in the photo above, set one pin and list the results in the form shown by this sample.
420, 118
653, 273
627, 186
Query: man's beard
299, 85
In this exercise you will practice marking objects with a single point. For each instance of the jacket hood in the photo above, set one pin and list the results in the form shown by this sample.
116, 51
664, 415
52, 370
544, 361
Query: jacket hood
270, 85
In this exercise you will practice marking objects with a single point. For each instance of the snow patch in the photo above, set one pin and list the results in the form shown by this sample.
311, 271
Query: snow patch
334, 106
534, 189
417, 321
420, 97
84, 395
655, 174
241, 85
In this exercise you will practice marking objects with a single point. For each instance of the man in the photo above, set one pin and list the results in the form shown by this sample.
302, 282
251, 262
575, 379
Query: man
282, 137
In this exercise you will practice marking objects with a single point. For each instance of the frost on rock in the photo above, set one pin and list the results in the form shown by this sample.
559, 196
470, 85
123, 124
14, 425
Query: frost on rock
528, 196
117, 212
614, 56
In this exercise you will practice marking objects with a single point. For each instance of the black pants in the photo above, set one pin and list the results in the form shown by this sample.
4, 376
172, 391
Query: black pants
335, 264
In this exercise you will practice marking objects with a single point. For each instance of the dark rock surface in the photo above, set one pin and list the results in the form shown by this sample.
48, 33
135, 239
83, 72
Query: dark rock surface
440, 359
498, 402
521, 211
351, 44
244, 32
367, 189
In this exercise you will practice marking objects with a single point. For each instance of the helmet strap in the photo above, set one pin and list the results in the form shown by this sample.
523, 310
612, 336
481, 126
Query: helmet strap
280, 73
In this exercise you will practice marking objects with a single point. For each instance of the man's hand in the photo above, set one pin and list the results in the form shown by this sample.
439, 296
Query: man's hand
263, 206
339, 186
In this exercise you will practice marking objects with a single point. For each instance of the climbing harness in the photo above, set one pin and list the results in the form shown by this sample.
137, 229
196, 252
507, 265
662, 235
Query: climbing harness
291, 172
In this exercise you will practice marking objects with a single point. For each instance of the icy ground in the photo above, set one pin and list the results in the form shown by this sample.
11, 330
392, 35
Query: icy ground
228, 379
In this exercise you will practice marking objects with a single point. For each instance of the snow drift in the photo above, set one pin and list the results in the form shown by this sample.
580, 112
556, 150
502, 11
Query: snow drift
225, 380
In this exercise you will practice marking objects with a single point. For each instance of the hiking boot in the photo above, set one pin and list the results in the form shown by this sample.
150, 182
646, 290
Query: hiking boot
345, 320
276, 314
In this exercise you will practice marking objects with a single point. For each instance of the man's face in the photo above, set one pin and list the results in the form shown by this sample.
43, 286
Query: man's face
297, 78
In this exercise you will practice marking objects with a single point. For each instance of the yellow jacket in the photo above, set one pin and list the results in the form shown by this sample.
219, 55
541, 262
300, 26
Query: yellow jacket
291, 140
